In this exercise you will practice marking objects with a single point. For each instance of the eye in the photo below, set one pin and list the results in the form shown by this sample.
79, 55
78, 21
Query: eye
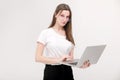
62, 15
67, 17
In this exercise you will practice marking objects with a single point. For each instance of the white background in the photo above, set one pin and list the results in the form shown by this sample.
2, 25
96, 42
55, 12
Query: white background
94, 22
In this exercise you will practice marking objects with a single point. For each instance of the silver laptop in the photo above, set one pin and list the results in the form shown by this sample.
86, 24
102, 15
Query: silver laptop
91, 53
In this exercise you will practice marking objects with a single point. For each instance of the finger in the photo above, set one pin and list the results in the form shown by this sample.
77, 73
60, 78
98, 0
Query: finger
82, 67
87, 60
64, 59
85, 63
88, 64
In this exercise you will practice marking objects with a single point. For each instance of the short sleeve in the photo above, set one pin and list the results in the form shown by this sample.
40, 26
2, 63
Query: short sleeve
42, 38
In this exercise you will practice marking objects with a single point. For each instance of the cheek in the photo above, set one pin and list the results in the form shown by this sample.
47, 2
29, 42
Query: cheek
67, 20
59, 19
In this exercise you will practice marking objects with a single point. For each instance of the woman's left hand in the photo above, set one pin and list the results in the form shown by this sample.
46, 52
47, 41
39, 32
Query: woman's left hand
86, 64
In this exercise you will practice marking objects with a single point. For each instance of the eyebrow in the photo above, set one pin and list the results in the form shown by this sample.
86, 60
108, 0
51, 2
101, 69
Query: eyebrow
60, 12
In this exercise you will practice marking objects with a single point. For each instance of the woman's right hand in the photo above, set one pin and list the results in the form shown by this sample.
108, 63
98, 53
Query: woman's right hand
64, 58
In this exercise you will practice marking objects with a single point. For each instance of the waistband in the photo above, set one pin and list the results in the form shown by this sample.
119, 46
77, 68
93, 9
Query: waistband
60, 65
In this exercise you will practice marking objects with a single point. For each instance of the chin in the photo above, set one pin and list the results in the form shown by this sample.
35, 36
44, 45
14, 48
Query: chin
62, 25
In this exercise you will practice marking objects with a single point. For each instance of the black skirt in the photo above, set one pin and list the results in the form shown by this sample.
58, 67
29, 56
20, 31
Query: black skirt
58, 72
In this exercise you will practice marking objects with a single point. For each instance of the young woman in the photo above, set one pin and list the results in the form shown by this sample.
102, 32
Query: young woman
58, 43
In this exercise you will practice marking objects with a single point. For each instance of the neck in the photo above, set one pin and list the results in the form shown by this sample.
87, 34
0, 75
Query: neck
57, 27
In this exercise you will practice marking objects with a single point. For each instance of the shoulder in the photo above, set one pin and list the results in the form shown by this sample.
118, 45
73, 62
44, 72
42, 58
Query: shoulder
46, 31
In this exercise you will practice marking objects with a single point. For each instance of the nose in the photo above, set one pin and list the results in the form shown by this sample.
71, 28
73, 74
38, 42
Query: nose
65, 19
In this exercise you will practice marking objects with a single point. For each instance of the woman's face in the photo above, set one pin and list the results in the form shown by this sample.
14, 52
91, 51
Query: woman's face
62, 17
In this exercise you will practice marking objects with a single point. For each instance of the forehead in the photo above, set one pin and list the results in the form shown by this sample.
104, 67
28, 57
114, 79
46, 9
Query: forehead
64, 12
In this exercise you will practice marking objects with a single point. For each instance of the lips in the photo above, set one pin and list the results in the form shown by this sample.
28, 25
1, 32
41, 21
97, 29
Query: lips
63, 22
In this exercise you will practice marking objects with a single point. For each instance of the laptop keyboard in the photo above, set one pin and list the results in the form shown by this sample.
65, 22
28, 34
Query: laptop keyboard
73, 63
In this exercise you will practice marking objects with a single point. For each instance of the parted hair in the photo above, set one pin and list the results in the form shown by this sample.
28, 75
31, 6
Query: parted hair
68, 26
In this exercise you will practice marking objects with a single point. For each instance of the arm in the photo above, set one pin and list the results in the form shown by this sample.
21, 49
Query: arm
71, 54
40, 58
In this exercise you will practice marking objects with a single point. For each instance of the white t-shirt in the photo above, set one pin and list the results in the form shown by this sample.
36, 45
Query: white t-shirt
56, 45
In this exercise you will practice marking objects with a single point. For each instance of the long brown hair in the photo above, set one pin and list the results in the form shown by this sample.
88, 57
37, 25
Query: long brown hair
68, 26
